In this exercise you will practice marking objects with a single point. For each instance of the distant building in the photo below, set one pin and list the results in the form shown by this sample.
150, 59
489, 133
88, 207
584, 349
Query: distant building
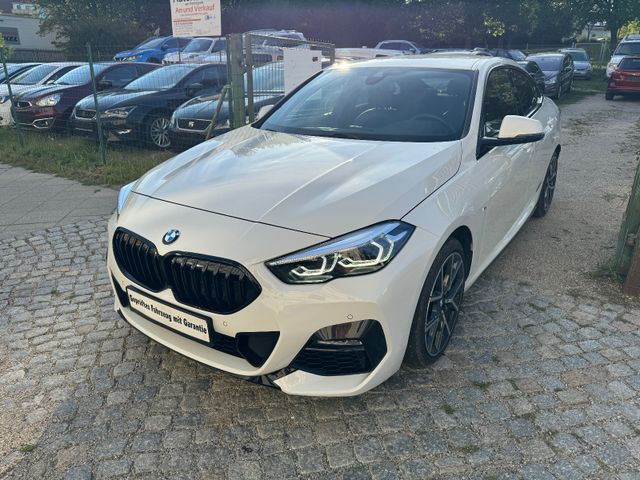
19, 26
595, 31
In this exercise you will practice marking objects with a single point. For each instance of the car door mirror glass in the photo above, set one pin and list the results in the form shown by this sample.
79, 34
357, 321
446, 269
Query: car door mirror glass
193, 89
105, 84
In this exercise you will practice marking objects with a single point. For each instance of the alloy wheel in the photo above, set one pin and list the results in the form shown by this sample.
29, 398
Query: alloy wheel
159, 132
444, 304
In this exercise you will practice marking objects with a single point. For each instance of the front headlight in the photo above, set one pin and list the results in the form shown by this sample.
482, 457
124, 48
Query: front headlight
358, 253
118, 112
122, 196
4, 99
49, 101
551, 80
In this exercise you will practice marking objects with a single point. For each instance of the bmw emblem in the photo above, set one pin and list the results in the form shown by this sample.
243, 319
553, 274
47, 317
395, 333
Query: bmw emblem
171, 236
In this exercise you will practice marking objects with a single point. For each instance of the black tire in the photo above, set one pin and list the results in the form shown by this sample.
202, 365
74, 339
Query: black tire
548, 188
608, 96
429, 335
157, 131
558, 95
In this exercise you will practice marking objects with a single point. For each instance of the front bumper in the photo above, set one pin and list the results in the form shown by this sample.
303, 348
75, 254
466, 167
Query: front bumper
39, 118
388, 297
582, 73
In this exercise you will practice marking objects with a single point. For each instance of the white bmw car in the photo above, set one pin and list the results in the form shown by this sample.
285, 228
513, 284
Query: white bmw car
318, 248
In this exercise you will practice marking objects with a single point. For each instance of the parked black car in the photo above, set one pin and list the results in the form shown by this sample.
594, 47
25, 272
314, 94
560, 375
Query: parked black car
512, 54
141, 111
49, 106
190, 122
533, 69
558, 72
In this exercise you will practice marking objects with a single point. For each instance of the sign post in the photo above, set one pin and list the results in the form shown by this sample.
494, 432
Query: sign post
196, 18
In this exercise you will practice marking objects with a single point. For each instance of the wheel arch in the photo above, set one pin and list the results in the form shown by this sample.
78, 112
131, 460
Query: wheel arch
465, 237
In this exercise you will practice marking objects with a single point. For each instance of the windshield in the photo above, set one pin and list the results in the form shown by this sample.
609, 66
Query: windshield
628, 49
379, 103
34, 75
268, 78
80, 75
150, 44
548, 64
579, 56
161, 79
630, 64
198, 45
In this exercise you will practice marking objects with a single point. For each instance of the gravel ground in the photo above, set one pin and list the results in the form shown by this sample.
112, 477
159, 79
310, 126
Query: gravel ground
564, 251
542, 379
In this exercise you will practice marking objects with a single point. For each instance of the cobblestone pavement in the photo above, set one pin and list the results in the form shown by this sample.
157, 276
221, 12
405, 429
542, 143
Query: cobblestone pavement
31, 201
535, 385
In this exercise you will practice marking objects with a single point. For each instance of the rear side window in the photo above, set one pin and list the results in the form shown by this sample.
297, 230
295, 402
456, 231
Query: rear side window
526, 92
499, 101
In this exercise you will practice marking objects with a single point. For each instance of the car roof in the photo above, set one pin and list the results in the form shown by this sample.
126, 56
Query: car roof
538, 55
566, 50
452, 61
632, 37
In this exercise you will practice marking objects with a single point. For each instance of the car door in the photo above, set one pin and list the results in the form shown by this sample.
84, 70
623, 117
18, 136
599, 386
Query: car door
118, 76
567, 72
529, 101
505, 166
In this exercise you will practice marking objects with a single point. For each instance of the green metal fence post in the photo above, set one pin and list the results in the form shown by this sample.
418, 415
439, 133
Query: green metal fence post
103, 153
248, 61
216, 113
236, 78
12, 100
630, 229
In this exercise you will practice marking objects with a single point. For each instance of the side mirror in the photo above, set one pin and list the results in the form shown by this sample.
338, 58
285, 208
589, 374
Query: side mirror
105, 84
164, 48
263, 111
516, 130
193, 89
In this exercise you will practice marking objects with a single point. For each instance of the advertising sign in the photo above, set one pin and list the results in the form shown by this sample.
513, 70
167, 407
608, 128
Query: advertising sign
299, 65
11, 35
196, 18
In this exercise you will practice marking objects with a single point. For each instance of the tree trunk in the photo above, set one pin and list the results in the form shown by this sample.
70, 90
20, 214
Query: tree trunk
614, 27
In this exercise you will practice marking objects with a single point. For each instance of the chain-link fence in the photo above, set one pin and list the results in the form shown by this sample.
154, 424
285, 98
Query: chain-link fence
124, 101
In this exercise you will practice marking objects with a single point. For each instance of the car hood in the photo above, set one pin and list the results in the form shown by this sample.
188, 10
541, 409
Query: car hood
15, 89
37, 92
130, 53
203, 108
312, 184
119, 98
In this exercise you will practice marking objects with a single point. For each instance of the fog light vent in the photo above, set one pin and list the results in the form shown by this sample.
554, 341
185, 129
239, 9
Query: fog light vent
344, 349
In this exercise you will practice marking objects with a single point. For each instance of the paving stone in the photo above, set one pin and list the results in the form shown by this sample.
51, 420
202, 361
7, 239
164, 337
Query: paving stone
524, 392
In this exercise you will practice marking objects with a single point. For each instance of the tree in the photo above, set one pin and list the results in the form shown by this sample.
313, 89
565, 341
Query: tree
110, 25
615, 13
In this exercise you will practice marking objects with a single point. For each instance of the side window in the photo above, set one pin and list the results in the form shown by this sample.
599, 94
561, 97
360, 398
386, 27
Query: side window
182, 42
60, 73
171, 43
220, 45
119, 77
211, 78
526, 92
499, 101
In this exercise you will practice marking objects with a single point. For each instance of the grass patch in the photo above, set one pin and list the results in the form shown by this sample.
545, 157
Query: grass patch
27, 447
606, 271
585, 88
448, 409
484, 386
77, 158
